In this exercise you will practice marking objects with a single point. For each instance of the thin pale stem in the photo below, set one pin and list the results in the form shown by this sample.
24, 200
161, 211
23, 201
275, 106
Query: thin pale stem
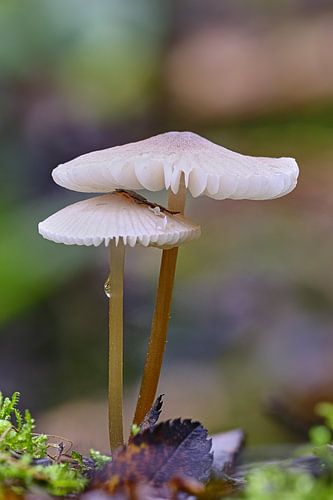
117, 257
161, 316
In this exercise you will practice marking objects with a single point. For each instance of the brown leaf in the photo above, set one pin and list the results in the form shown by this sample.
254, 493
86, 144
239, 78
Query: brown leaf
153, 415
178, 448
220, 487
187, 485
126, 491
8, 494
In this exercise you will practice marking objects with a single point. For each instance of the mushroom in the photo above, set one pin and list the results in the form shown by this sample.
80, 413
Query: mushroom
176, 161
116, 220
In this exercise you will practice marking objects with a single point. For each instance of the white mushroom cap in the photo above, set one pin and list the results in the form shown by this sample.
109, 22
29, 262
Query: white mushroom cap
101, 219
158, 162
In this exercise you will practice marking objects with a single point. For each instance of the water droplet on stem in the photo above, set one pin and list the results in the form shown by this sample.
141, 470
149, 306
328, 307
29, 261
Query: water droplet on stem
107, 287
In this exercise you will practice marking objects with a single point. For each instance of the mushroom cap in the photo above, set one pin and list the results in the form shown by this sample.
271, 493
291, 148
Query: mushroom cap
114, 216
158, 162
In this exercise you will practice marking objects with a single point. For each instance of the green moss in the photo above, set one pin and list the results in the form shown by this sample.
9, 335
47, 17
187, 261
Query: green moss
278, 483
22, 452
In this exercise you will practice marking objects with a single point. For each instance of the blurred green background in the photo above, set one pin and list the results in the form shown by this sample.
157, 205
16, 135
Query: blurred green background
251, 330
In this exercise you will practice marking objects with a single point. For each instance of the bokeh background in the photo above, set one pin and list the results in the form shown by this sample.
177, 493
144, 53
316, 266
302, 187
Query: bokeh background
251, 340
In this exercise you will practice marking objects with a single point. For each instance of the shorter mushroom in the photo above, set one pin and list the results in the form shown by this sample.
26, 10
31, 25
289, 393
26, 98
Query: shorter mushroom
115, 220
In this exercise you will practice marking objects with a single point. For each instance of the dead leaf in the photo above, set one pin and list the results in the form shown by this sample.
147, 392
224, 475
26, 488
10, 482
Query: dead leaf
153, 415
177, 448
126, 491
8, 494
226, 447
185, 485
220, 487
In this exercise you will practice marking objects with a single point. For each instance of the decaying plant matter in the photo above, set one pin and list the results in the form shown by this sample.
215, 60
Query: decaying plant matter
175, 459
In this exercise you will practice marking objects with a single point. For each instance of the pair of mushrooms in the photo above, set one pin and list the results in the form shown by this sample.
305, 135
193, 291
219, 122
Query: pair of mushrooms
178, 162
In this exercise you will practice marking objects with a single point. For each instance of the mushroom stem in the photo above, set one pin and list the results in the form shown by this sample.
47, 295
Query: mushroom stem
116, 260
161, 316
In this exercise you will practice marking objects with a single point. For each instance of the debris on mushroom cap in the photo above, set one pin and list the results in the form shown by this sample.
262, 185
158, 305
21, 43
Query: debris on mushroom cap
158, 162
103, 218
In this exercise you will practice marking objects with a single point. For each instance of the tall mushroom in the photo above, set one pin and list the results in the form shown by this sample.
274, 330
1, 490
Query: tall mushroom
176, 161
116, 220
